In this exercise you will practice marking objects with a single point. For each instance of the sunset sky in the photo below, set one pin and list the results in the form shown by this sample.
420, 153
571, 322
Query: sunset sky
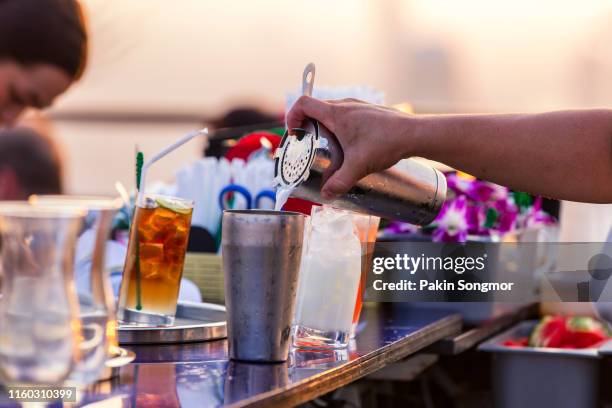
200, 56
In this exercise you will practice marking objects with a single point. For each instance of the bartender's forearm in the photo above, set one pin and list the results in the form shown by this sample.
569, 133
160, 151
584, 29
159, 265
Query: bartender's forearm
567, 155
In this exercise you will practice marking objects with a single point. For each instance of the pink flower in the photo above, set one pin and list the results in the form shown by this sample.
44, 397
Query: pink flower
451, 223
398, 227
483, 191
475, 217
483, 208
506, 222
507, 215
535, 216
457, 184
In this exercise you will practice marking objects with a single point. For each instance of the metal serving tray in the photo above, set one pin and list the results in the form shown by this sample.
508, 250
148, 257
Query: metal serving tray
529, 377
194, 322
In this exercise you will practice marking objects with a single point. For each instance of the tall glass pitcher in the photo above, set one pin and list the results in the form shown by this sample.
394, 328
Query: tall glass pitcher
39, 325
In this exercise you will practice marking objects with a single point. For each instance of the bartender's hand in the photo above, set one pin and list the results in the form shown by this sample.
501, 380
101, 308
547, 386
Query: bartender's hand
372, 137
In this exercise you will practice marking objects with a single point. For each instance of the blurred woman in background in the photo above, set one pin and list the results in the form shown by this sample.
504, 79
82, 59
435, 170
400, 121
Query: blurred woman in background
43, 50
29, 164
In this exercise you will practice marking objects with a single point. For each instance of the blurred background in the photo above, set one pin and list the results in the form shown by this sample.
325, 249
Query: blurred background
159, 68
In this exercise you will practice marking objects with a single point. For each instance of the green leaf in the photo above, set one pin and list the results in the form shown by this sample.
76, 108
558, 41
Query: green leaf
491, 218
522, 200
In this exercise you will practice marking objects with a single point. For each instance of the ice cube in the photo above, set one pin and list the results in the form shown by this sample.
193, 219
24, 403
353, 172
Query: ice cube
180, 235
152, 252
162, 217
149, 270
333, 222
176, 239
175, 255
147, 232
173, 272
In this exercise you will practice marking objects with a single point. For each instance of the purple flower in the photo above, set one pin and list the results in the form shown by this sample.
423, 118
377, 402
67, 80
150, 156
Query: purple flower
483, 191
457, 184
397, 227
483, 208
451, 223
535, 216
506, 222
505, 205
508, 214
475, 218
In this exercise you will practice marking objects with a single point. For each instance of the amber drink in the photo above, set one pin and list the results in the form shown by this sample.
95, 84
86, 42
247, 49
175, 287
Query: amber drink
154, 262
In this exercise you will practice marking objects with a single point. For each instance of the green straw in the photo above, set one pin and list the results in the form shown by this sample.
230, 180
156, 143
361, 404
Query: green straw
139, 163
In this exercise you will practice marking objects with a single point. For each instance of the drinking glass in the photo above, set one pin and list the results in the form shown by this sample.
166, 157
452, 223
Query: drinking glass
367, 228
39, 325
328, 281
154, 262
95, 296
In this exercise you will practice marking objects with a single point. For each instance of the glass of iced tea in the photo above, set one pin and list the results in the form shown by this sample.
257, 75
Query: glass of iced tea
154, 262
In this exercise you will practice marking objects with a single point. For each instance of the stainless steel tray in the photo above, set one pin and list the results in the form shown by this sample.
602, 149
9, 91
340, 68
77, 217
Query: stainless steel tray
194, 322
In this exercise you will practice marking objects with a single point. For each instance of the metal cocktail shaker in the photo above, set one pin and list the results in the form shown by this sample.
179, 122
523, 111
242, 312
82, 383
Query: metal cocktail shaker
261, 261
411, 191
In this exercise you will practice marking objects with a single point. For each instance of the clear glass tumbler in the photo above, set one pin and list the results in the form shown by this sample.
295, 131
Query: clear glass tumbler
328, 281
39, 325
96, 300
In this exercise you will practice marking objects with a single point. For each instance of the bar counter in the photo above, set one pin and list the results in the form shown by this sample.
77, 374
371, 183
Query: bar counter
200, 374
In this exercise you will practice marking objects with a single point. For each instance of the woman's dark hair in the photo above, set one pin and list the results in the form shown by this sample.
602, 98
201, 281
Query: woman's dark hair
44, 32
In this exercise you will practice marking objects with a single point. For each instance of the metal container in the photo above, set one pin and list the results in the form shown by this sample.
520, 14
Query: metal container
410, 191
525, 377
244, 380
261, 260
